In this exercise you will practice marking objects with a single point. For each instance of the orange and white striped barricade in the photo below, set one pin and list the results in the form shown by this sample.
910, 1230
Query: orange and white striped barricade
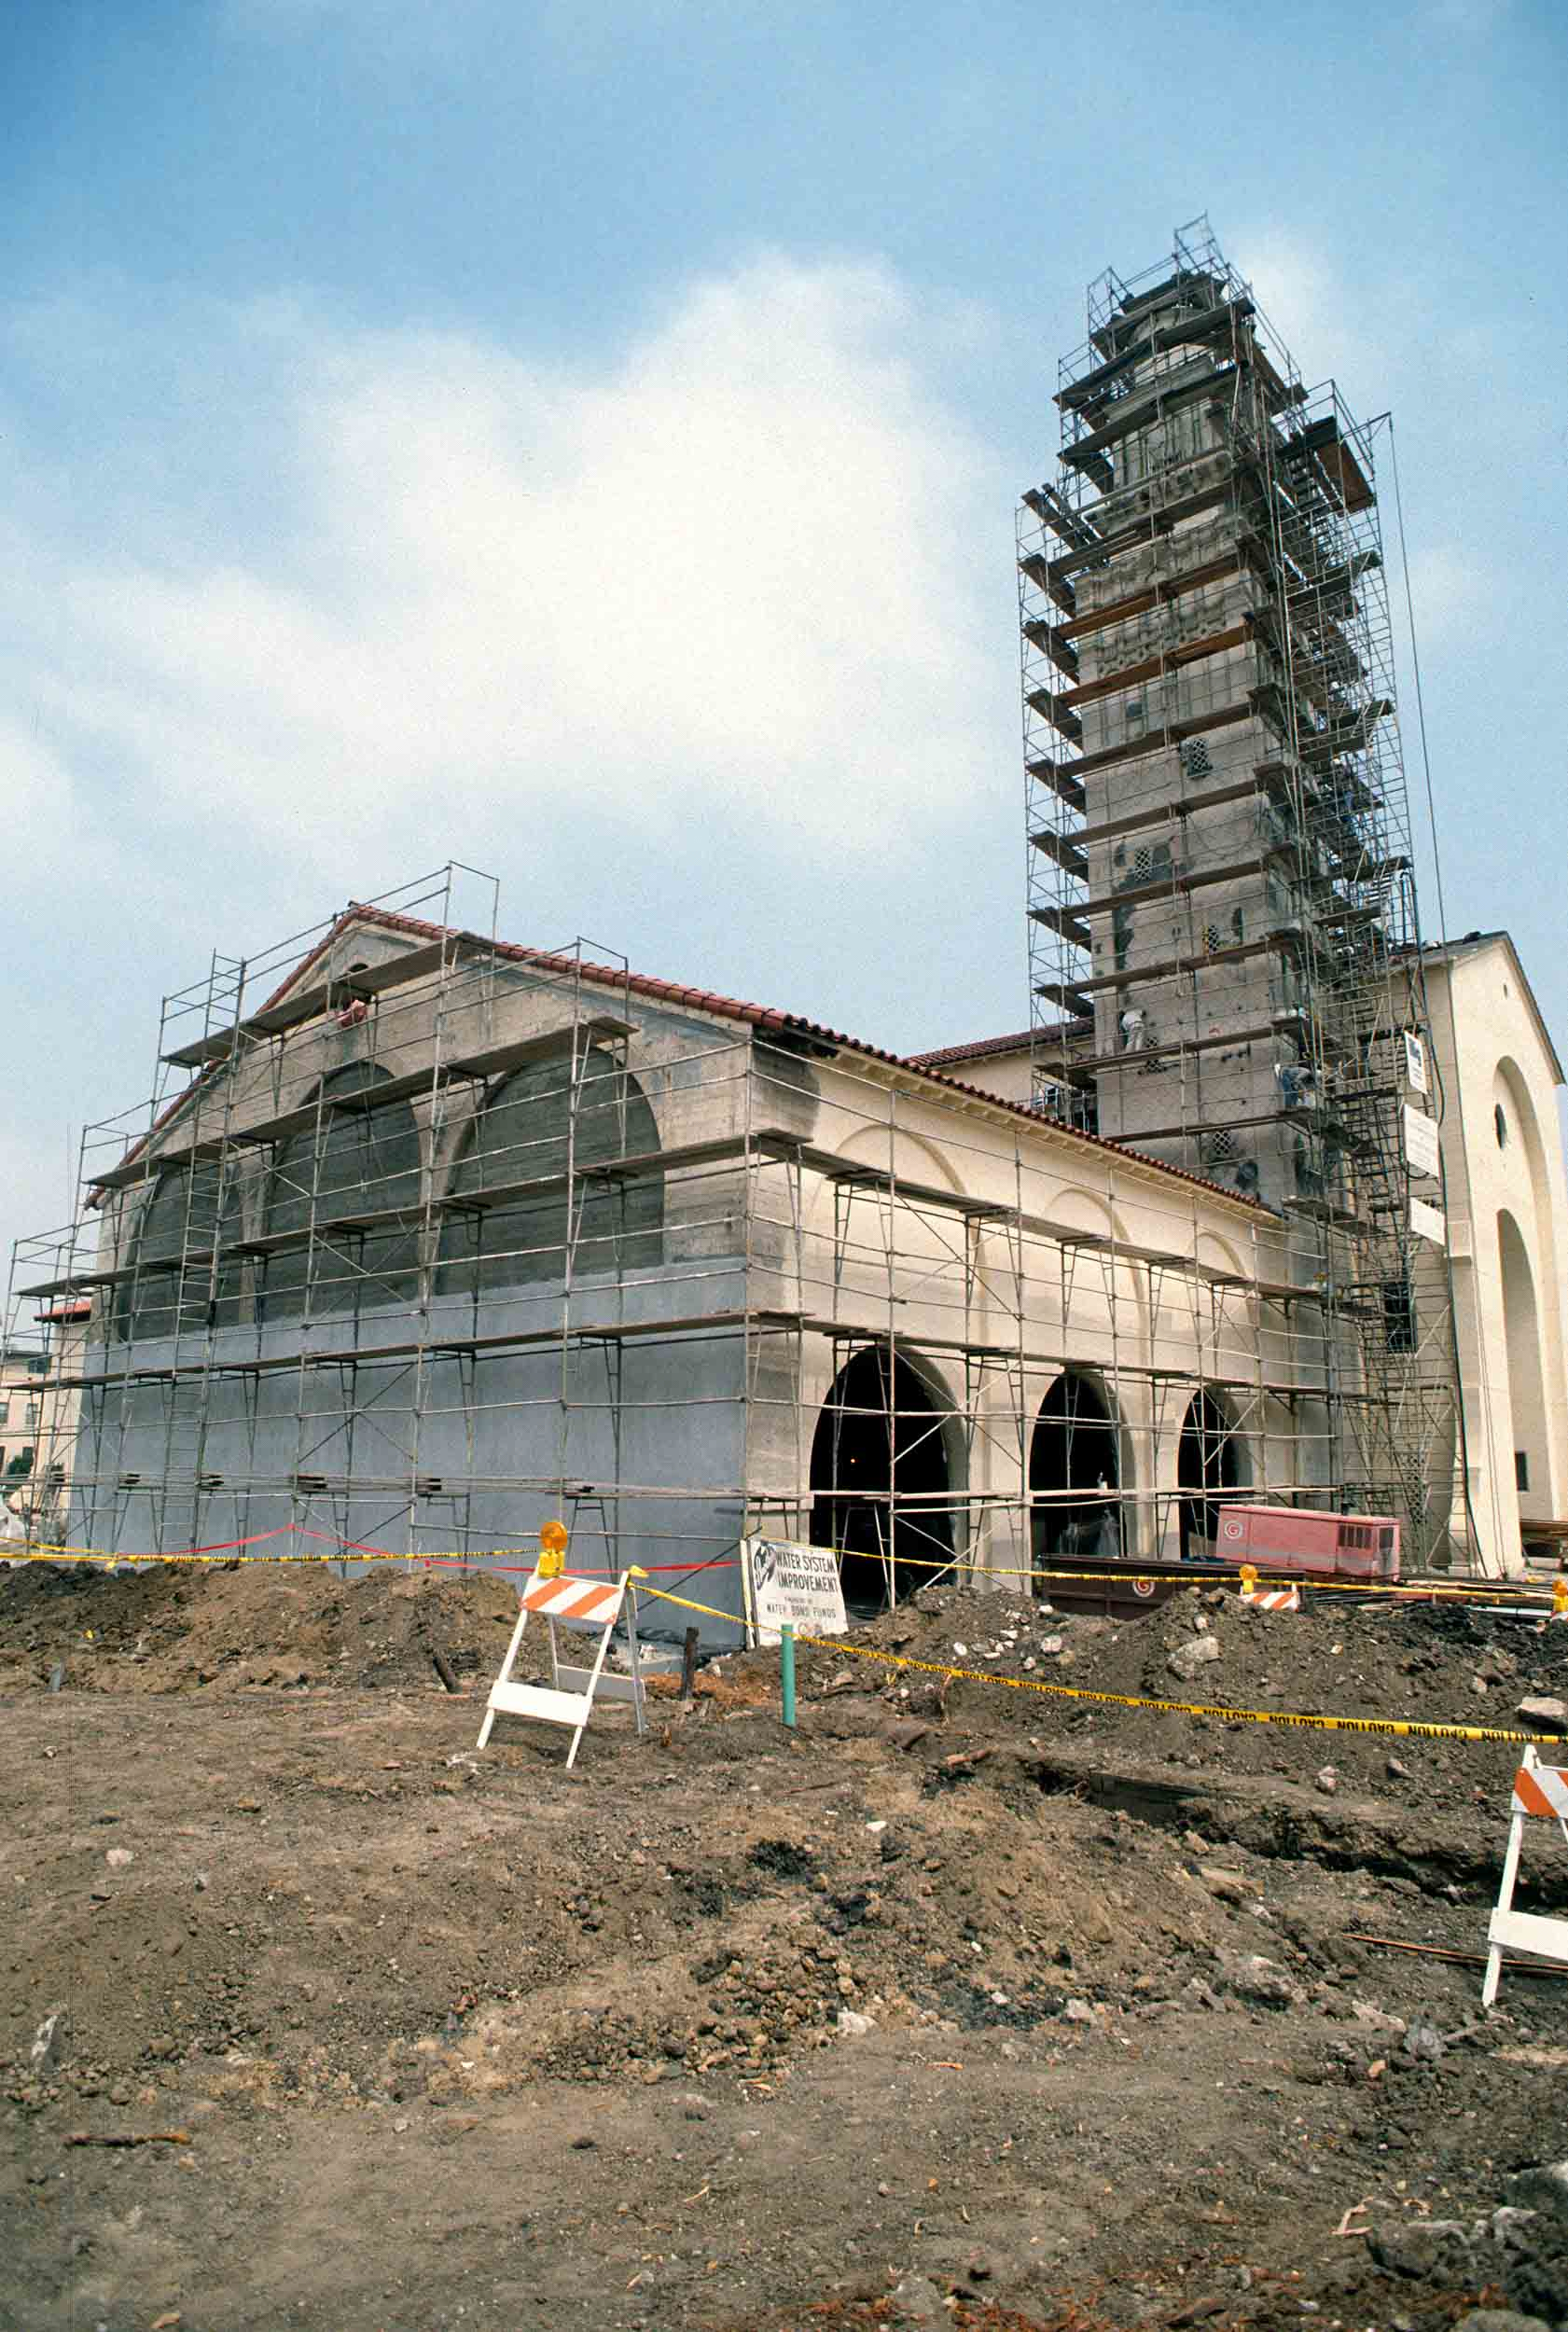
1286, 1598
1540, 1791
564, 1600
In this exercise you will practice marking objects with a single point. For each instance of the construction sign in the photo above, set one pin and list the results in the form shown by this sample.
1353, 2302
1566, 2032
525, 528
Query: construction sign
791, 1585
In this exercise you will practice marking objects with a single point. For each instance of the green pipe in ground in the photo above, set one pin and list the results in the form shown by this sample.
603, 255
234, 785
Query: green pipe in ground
786, 1670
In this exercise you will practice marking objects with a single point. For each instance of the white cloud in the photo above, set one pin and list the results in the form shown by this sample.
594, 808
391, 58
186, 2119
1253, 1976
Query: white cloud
1449, 588
1470, 19
714, 627
731, 576
1303, 293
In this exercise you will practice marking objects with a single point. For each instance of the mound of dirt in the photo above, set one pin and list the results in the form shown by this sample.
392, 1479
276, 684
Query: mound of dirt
891, 2004
1338, 1655
180, 1628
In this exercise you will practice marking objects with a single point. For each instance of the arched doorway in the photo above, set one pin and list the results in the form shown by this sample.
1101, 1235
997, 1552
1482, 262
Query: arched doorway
881, 1480
1074, 1470
1526, 1387
1208, 1463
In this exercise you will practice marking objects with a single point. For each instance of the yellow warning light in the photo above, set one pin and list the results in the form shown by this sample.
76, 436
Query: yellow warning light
1249, 1579
1560, 1598
552, 1549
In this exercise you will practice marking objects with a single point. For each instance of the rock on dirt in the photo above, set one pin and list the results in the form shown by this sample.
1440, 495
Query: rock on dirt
1201, 1651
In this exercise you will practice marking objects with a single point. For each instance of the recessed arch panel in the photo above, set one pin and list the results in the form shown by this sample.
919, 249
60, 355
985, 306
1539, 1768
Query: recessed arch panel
525, 1134
352, 1162
182, 1219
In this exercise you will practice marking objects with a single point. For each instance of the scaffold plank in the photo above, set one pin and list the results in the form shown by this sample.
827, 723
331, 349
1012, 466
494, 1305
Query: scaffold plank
1188, 332
1154, 667
1192, 879
501, 1059
391, 1089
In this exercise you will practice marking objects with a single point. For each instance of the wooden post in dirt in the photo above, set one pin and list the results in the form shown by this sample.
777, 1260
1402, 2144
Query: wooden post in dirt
688, 1668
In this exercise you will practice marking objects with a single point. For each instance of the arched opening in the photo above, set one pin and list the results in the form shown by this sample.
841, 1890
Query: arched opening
525, 1134
881, 1480
180, 1222
1208, 1463
1526, 1390
1074, 1470
358, 1162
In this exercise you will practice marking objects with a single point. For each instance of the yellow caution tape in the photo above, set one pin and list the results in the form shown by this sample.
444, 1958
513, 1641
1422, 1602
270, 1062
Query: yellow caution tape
1549, 1602
733, 1617
1204, 1575
1407, 1728
36, 1549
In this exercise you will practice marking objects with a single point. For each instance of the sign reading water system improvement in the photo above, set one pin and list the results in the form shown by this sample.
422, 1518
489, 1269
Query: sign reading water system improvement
786, 1583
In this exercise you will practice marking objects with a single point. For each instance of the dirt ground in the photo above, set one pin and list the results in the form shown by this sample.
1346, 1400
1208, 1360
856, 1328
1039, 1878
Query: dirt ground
961, 2005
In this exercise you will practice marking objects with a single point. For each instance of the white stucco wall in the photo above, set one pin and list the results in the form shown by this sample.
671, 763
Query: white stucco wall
1507, 1201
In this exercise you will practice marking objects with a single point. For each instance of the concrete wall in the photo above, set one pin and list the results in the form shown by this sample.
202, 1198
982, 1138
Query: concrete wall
665, 1413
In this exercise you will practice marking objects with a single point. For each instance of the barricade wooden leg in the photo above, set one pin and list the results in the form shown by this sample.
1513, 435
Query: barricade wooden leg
633, 1648
592, 1689
505, 1677
1504, 1904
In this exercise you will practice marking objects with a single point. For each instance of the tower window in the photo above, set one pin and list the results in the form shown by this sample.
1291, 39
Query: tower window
1500, 1124
1521, 1469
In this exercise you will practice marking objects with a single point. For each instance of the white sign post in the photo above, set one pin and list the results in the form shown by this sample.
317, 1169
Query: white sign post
792, 1586
1415, 1061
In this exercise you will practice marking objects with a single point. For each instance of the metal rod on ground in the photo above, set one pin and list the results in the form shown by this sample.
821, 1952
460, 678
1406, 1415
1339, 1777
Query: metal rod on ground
786, 1670
689, 1667
1460, 1959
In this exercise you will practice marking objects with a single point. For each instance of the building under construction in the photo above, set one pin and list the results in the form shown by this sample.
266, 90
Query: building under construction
423, 1237
1224, 945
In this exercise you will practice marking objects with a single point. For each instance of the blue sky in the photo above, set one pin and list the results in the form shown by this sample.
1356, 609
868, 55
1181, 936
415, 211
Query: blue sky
582, 438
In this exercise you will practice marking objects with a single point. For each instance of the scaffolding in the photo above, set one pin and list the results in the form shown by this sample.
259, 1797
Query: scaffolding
425, 1237
1224, 942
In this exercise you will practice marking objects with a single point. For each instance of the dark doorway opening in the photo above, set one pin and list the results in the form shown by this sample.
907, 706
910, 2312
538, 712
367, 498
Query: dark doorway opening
1207, 1464
1074, 1470
880, 1481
